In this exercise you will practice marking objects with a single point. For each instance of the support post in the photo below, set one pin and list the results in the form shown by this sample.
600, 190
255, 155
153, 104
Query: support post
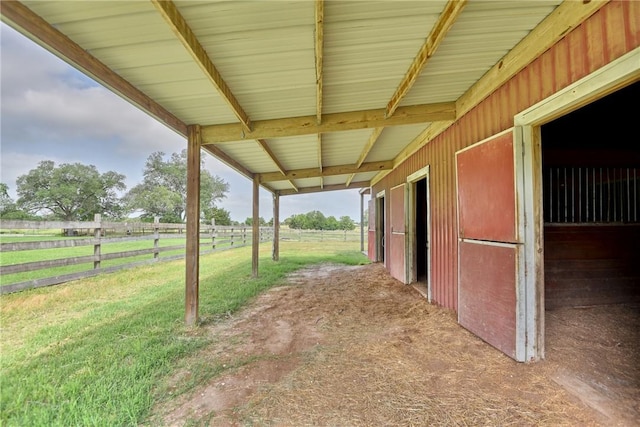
192, 260
361, 222
275, 253
97, 248
156, 238
213, 234
255, 244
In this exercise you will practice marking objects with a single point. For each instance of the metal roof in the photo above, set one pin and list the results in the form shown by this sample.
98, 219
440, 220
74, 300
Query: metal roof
312, 95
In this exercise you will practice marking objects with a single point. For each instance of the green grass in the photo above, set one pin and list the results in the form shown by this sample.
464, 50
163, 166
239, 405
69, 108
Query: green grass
97, 352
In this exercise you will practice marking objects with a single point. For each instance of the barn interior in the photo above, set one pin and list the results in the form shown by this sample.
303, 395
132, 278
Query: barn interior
591, 209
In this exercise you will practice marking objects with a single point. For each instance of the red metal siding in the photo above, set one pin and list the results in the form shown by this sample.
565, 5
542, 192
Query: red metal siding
605, 36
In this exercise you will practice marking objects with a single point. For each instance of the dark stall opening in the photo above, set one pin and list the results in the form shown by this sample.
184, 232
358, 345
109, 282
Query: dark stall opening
591, 210
422, 261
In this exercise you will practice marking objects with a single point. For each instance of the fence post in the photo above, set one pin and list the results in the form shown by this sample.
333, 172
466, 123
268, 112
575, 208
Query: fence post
231, 237
156, 237
97, 234
244, 236
213, 234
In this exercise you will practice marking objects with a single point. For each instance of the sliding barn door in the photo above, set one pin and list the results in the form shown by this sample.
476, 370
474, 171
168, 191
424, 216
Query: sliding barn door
397, 264
371, 233
488, 246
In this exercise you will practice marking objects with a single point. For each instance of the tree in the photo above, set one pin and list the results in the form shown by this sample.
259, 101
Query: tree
331, 223
261, 221
220, 215
163, 191
70, 191
346, 223
315, 220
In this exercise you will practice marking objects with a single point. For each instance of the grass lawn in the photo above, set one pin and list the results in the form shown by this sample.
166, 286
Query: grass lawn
96, 352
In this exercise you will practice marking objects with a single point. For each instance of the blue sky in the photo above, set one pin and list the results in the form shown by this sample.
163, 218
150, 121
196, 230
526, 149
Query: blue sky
51, 111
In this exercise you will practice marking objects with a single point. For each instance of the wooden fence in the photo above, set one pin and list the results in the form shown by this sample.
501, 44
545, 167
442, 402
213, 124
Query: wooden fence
99, 235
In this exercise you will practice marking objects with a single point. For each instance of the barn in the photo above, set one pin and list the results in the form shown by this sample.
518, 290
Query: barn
494, 139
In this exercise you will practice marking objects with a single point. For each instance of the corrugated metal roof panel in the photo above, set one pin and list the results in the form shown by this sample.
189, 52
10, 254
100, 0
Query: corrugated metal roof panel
270, 65
296, 153
265, 52
343, 148
250, 155
480, 37
392, 140
368, 50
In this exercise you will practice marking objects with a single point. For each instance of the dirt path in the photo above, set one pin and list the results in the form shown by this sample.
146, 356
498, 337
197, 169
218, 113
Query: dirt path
350, 346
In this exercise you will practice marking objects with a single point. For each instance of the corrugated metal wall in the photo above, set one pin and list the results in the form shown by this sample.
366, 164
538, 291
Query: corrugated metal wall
598, 41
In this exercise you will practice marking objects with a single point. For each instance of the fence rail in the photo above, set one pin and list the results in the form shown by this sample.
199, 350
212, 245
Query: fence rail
104, 233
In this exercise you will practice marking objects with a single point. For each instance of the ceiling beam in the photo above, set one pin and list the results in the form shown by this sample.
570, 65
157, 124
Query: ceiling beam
319, 39
333, 187
367, 148
335, 122
349, 179
326, 171
263, 144
179, 26
447, 18
265, 147
22, 19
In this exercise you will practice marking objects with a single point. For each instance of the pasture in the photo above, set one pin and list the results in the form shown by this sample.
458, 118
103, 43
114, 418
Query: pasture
99, 351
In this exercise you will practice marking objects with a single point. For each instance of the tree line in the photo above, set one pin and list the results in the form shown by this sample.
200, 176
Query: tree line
76, 192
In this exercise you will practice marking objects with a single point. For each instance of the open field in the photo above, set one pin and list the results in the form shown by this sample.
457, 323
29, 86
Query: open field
98, 351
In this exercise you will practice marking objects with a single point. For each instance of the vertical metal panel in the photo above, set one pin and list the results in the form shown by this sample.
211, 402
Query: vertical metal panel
486, 193
487, 294
397, 237
371, 233
589, 48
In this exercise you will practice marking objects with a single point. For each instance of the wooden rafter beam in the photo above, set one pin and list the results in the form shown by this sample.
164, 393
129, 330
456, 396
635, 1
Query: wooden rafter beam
349, 179
22, 19
265, 147
567, 16
179, 26
319, 39
333, 187
367, 148
326, 171
335, 122
446, 20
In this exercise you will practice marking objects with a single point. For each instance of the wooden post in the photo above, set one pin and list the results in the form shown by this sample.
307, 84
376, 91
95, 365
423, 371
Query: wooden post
361, 222
192, 260
213, 234
275, 249
97, 233
255, 244
156, 238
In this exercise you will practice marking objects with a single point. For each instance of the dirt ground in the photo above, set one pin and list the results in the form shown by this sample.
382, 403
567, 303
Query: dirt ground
351, 346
